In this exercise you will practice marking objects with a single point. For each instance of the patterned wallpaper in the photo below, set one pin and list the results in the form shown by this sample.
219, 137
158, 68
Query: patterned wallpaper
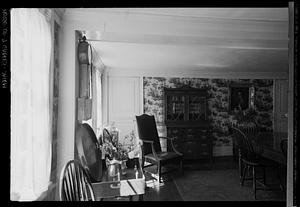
218, 102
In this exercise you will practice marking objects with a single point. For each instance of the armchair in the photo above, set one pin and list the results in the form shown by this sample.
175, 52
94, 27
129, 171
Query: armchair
151, 148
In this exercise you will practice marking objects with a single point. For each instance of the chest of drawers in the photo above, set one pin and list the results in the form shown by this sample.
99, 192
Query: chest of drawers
193, 142
186, 118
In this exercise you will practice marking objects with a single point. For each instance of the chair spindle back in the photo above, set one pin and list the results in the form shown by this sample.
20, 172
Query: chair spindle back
75, 184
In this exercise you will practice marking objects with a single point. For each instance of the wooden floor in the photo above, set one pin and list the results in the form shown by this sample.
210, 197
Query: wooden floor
168, 190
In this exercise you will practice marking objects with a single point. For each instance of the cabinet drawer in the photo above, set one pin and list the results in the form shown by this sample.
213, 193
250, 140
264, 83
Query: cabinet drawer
190, 131
197, 149
204, 153
176, 132
191, 136
195, 146
193, 142
204, 138
196, 154
196, 130
179, 146
199, 138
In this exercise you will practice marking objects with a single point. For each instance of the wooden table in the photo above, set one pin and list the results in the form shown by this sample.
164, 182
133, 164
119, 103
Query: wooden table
130, 184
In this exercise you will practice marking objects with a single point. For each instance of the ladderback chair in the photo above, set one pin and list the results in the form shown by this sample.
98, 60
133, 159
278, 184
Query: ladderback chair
151, 148
74, 183
250, 159
89, 152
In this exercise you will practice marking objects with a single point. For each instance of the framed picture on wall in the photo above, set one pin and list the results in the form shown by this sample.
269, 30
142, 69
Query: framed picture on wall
240, 97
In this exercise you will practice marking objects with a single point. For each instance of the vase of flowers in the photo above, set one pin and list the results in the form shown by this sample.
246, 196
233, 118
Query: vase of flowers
115, 157
114, 151
116, 154
129, 142
119, 151
132, 147
113, 167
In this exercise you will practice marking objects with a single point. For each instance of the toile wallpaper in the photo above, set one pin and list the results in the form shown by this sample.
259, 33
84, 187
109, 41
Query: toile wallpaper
218, 102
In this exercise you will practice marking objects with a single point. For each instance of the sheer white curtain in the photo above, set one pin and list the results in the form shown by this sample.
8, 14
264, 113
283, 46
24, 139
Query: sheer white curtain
30, 104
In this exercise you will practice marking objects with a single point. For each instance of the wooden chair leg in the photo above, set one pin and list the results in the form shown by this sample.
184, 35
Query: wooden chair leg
254, 181
249, 171
243, 175
181, 166
279, 178
234, 159
159, 172
240, 163
240, 168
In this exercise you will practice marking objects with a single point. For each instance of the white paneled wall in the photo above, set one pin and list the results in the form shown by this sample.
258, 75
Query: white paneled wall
123, 102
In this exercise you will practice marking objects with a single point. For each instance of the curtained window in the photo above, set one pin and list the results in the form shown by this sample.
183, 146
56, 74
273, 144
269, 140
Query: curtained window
30, 104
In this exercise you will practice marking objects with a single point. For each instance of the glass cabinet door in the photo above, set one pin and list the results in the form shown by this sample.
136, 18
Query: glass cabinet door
175, 107
197, 108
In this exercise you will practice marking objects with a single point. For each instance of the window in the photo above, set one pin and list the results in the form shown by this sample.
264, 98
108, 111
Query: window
30, 104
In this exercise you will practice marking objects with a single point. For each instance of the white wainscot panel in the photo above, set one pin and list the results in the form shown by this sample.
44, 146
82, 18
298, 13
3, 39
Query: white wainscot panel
124, 102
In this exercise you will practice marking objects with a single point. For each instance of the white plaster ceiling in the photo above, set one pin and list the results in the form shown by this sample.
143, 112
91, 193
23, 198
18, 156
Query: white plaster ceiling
190, 39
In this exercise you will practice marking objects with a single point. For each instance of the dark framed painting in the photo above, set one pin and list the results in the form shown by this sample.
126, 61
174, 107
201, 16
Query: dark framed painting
240, 97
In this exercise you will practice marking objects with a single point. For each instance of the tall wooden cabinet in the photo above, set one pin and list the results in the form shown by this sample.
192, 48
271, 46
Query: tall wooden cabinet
186, 118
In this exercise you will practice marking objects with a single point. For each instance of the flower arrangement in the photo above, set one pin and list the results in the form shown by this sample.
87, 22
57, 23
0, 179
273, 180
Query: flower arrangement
115, 150
129, 141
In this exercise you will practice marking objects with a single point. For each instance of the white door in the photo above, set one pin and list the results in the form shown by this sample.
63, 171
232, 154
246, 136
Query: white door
123, 102
280, 111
